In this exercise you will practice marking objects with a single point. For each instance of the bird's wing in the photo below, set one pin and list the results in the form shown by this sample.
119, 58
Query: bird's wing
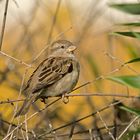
50, 71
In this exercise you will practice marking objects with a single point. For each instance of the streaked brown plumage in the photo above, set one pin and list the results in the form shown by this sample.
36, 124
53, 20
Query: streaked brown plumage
56, 75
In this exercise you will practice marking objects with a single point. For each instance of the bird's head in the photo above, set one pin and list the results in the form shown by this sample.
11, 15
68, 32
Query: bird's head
62, 47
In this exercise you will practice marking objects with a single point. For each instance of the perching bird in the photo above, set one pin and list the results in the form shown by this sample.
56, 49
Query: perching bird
56, 75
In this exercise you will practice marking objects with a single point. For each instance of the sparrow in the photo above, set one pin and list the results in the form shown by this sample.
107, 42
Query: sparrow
57, 75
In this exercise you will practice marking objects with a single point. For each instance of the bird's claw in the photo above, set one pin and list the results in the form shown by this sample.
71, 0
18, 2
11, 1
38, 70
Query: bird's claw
43, 100
65, 98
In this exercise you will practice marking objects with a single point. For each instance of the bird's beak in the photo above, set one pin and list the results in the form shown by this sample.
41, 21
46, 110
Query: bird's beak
72, 48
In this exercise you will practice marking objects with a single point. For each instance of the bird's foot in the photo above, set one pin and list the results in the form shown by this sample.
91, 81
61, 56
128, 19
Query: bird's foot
43, 100
65, 98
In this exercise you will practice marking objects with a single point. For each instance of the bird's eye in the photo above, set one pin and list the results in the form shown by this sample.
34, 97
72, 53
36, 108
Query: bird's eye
62, 47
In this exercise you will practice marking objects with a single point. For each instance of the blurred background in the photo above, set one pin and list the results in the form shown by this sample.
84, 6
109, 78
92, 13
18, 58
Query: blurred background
89, 24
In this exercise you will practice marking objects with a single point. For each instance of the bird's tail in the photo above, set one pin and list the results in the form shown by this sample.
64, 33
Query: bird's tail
25, 107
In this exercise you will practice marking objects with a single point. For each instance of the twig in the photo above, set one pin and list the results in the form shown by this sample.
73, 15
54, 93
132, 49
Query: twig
110, 134
29, 119
82, 118
137, 117
120, 61
87, 131
26, 128
23, 136
91, 134
4, 23
11, 101
14, 125
22, 82
101, 94
78, 95
17, 60
71, 131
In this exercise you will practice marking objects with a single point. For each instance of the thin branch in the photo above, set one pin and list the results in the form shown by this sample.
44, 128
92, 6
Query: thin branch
78, 95
14, 125
11, 101
26, 128
101, 94
120, 61
131, 123
81, 119
16, 107
71, 131
29, 119
87, 131
17, 60
108, 130
4, 23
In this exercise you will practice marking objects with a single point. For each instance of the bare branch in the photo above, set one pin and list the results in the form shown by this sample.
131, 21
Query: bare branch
17, 60
130, 124
11, 101
82, 118
4, 23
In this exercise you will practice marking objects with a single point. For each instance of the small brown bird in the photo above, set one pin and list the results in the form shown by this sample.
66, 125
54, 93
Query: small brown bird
56, 75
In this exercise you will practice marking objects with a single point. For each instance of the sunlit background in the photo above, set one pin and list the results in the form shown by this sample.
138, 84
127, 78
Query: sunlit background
89, 24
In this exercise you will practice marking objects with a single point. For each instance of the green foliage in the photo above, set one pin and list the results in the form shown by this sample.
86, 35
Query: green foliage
133, 60
130, 81
130, 24
129, 34
131, 110
131, 8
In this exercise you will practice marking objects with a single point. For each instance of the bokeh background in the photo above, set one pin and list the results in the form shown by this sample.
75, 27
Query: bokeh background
89, 24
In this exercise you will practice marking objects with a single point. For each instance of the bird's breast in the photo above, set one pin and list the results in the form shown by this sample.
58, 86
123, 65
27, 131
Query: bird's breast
64, 85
